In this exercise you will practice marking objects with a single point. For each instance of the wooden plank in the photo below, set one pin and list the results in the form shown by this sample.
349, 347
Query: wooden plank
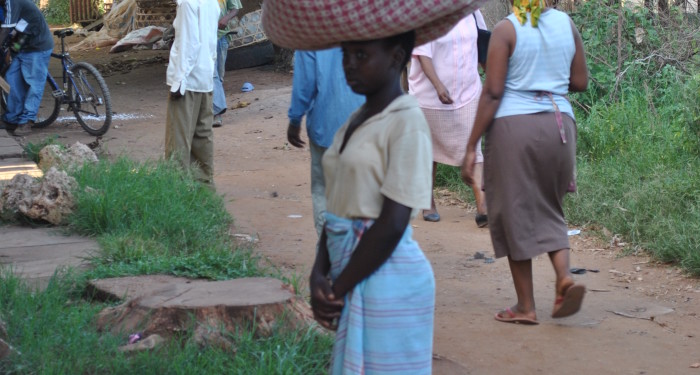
10, 168
95, 24
4, 85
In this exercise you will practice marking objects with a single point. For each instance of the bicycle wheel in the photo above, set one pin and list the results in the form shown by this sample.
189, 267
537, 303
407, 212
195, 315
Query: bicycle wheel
92, 104
48, 107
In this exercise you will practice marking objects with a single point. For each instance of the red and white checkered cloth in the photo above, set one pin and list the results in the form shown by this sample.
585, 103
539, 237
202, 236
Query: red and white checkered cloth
320, 24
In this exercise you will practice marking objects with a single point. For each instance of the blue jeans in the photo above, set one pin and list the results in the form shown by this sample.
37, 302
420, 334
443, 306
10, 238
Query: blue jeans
219, 70
27, 77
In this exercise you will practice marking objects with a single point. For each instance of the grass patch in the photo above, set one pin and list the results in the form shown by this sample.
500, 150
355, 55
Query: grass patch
450, 177
149, 218
55, 333
33, 149
639, 176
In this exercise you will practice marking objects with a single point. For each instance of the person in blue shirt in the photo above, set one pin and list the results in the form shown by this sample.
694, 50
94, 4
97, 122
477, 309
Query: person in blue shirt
321, 93
31, 45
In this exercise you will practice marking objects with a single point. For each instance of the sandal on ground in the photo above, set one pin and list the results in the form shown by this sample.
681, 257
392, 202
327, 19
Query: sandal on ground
569, 302
218, 121
508, 316
433, 217
482, 220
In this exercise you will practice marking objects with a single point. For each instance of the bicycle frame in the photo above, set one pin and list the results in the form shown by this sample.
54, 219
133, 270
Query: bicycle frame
66, 64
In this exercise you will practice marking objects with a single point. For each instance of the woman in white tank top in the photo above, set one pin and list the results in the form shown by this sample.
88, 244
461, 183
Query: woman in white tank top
533, 62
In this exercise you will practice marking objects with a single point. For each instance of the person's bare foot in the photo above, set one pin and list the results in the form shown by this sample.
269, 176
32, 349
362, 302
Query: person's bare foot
569, 297
514, 315
563, 284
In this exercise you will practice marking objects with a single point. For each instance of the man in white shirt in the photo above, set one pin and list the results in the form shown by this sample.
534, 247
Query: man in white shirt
188, 123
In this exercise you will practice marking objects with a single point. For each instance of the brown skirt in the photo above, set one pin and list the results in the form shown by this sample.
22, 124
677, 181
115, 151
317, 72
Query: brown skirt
527, 171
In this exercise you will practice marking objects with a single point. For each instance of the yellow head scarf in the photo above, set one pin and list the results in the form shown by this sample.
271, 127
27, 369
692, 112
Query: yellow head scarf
522, 7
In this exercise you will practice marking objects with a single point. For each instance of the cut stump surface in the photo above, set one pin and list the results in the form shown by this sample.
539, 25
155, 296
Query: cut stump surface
167, 305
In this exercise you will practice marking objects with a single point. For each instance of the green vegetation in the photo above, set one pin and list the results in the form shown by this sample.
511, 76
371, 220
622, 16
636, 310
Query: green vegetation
33, 149
149, 218
55, 332
639, 132
57, 12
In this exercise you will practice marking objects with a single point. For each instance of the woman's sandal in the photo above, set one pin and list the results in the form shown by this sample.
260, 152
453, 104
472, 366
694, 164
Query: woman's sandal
432, 217
569, 302
508, 316
482, 220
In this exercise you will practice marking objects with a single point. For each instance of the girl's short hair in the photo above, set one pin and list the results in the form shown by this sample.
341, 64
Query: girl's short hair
406, 40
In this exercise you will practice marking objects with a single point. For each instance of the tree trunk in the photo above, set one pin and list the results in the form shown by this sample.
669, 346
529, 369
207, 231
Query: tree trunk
188, 306
663, 7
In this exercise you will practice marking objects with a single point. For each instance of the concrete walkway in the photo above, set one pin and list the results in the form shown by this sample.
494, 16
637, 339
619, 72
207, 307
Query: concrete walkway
13, 160
35, 253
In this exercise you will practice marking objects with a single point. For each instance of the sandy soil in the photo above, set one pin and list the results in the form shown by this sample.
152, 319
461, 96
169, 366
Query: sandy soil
638, 317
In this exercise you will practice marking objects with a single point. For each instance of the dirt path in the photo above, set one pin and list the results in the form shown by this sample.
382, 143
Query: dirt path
266, 184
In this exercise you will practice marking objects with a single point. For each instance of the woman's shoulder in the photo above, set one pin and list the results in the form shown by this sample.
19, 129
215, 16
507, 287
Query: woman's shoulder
556, 14
407, 116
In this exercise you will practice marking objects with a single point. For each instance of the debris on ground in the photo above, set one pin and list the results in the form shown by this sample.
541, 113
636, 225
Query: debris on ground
125, 66
240, 104
117, 23
150, 342
142, 37
247, 87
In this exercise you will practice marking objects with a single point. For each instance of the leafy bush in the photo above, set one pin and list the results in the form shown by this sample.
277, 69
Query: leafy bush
57, 12
631, 49
639, 130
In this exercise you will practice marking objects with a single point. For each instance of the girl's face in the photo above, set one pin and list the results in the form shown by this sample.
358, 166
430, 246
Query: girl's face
368, 65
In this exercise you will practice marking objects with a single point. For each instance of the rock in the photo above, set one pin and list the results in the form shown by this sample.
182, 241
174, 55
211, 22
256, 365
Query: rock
17, 193
54, 200
149, 343
211, 337
67, 159
49, 198
183, 306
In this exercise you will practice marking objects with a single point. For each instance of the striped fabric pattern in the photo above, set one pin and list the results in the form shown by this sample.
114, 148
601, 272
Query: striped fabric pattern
386, 326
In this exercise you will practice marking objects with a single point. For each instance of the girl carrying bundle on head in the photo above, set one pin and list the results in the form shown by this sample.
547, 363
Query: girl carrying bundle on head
381, 290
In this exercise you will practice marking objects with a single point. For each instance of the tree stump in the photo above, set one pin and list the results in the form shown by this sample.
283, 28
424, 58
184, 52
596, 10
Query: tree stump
169, 306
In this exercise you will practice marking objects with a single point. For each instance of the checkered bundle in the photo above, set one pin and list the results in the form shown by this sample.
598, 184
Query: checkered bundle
320, 24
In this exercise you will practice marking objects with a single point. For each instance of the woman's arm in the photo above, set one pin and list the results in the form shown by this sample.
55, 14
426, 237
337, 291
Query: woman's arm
578, 80
501, 48
325, 306
375, 247
426, 64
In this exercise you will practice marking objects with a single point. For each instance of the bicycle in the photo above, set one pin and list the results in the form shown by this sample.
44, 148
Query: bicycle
84, 91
